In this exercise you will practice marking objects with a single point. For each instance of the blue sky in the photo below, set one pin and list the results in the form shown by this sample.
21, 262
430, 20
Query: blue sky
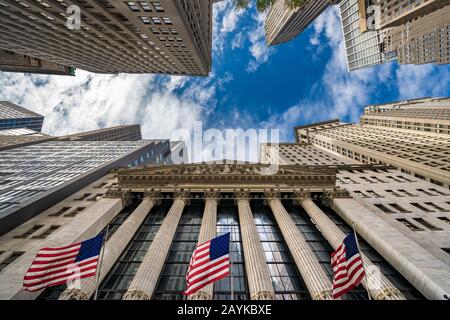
251, 86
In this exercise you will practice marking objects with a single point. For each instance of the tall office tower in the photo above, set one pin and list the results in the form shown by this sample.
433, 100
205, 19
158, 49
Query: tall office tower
406, 139
117, 133
16, 62
14, 138
364, 46
12, 117
283, 24
398, 12
170, 37
35, 177
422, 40
427, 114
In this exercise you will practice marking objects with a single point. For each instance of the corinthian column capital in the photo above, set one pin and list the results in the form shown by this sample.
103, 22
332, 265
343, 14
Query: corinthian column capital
212, 194
328, 195
183, 195
74, 294
301, 194
154, 195
135, 295
271, 194
125, 195
263, 295
242, 194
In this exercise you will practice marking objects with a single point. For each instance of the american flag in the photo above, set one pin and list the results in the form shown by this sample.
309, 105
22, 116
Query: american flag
210, 262
347, 267
55, 266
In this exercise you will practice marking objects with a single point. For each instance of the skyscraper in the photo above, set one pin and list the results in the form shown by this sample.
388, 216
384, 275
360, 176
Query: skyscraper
364, 47
408, 138
171, 37
16, 62
117, 133
421, 40
283, 24
37, 176
13, 116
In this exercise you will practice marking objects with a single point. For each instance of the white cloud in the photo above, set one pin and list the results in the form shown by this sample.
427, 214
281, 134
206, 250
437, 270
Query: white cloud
259, 50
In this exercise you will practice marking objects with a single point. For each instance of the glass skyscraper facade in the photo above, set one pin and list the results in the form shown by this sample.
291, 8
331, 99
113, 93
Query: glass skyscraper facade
13, 116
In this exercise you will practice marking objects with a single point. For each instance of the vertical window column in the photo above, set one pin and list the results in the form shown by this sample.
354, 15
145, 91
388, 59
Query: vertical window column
386, 290
146, 278
259, 280
114, 248
207, 232
312, 273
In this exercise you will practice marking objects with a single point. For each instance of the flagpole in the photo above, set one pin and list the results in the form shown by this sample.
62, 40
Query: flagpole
362, 261
231, 265
97, 274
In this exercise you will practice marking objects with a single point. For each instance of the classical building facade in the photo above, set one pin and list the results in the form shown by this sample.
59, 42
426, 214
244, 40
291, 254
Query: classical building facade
13, 116
16, 62
283, 24
170, 37
283, 228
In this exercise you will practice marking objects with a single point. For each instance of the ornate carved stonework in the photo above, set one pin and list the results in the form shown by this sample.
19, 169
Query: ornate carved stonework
200, 295
301, 194
324, 295
210, 175
263, 295
388, 294
74, 294
182, 195
212, 194
154, 195
270, 195
242, 194
329, 195
125, 195
135, 295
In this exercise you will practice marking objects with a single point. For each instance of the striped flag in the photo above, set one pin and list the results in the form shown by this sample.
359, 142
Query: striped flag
347, 267
55, 266
210, 262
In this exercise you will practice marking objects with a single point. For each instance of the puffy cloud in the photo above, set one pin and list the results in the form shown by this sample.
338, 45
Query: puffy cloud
258, 48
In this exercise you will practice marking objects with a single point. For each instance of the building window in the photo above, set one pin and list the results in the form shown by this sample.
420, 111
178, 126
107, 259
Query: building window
397, 207
419, 206
446, 250
29, 232
75, 212
13, 257
426, 224
444, 219
383, 208
60, 212
47, 232
119, 278
173, 275
82, 197
435, 206
410, 225
286, 279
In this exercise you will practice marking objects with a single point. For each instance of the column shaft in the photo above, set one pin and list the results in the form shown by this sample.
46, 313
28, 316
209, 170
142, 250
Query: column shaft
385, 290
146, 278
259, 280
207, 232
315, 278
114, 247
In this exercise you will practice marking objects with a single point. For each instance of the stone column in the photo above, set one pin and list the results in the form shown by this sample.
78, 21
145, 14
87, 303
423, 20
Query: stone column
426, 272
335, 236
259, 280
314, 276
146, 278
114, 247
207, 232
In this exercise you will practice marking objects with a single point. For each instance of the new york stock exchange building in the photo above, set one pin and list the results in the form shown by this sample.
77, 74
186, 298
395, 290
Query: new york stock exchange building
283, 225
